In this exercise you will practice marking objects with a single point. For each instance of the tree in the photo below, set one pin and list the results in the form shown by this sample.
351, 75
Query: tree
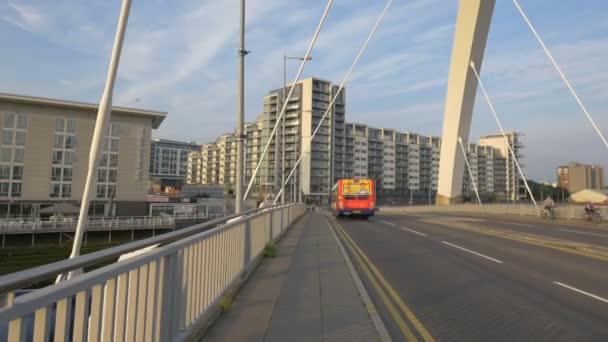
541, 191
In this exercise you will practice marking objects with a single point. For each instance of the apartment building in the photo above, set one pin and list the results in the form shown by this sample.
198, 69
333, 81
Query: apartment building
576, 176
488, 171
324, 161
514, 186
405, 165
169, 162
215, 163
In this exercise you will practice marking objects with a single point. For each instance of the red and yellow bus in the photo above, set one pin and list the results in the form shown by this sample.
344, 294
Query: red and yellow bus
354, 197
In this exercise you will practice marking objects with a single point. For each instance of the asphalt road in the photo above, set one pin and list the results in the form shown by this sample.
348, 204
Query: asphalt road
459, 285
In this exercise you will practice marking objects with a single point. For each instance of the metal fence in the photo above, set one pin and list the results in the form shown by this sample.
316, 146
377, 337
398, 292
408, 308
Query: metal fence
101, 224
165, 294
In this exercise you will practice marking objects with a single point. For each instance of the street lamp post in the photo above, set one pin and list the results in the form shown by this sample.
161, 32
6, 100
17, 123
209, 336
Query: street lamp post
285, 58
240, 116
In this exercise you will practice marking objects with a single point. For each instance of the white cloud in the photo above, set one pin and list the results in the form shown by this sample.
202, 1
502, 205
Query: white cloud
26, 17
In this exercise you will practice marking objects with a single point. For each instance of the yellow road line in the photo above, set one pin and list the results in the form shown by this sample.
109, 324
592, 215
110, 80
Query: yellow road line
408, 313
407, 332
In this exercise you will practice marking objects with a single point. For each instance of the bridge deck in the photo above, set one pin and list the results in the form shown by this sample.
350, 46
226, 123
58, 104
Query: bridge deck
305, 293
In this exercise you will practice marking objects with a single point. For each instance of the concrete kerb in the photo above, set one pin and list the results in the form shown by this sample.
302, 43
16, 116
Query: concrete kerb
206, 320
369, 305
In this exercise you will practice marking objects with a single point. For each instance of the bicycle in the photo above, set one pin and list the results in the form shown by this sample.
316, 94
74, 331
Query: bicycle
593, 216
547, 214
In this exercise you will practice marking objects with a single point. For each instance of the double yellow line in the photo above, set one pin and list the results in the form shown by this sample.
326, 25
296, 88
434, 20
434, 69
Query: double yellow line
387, 294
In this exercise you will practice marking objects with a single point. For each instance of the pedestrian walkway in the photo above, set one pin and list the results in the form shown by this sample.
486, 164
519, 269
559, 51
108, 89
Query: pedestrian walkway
305, 293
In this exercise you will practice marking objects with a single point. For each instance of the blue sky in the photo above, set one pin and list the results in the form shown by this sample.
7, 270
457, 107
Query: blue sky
180, 56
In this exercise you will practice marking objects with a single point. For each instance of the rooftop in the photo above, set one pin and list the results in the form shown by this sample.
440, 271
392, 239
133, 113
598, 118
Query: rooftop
156, 116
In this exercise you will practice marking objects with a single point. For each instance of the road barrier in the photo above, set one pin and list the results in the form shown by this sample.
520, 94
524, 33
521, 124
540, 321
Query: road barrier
165, 294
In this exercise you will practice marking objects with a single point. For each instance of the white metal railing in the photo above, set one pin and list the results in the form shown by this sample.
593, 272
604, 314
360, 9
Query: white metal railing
165, 294
99, 224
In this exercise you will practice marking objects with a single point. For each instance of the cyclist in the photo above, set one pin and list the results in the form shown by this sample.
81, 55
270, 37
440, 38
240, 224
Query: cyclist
590, 208
549, 204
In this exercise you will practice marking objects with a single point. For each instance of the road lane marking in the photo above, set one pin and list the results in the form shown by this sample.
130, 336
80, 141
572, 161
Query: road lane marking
403, 228
426, 336
536, 240
472, 252
517, 224
413, 231
581, 291
387, 222
575, 231
405, 329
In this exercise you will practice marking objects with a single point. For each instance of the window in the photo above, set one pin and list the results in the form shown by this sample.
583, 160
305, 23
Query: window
67, 174
66, 190
58, 141
9, 121
18, 172
18, 156
101, 191
56, 174
102, 176
70, 142
21, 123
68, 158
19, 138
55, 190
6, 154
63, 157
16, 190
4, 186
7, 137
112, 176
5, 172
71, 126
103, 161
115, 130
57, 157
60, 125
113, 160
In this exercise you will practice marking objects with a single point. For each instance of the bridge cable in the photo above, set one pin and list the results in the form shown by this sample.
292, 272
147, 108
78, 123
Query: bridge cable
466, 159
286, 101
559, 70
502, 131
361, 51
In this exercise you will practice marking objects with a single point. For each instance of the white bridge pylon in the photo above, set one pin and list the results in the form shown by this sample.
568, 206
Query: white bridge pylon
470, 37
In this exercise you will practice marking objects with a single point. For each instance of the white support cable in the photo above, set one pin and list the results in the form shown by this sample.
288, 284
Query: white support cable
361, 51
466, 159
276, 125
502, 131
561, 74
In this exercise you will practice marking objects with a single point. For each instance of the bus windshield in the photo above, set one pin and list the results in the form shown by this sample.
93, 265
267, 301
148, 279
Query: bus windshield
351, 187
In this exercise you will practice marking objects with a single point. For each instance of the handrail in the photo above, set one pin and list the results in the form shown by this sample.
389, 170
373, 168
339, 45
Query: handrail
167, 293
26, 277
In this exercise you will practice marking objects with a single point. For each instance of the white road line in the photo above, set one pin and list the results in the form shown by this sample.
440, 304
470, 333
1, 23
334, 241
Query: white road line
387, 222
472, 252
403, 228
516, 224
581, 291
413, 231
575, 231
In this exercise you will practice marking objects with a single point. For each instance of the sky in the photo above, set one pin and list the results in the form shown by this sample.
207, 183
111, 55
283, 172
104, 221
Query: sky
181, 57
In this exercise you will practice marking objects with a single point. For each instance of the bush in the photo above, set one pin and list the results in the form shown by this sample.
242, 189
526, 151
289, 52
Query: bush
270, 250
